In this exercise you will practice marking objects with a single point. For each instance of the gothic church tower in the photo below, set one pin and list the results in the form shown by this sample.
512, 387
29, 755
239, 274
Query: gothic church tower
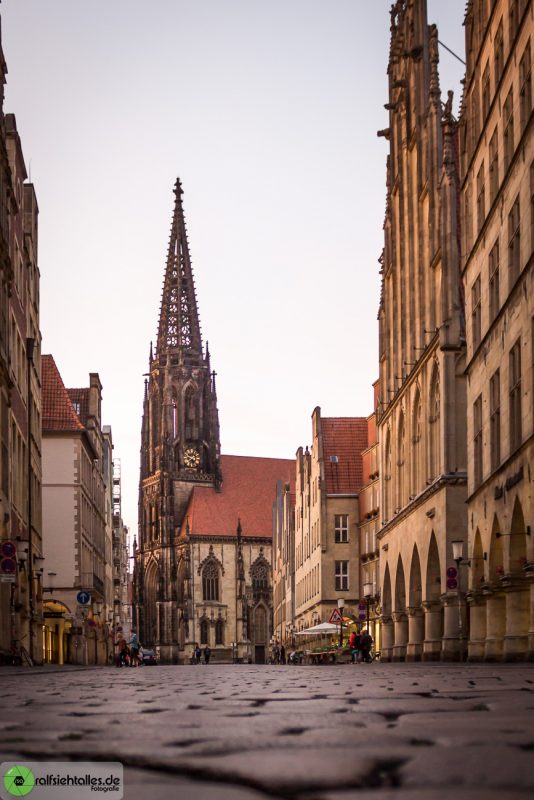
180, 445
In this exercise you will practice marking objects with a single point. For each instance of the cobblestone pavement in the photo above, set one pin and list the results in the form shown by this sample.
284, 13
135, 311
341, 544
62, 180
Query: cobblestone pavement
373, 732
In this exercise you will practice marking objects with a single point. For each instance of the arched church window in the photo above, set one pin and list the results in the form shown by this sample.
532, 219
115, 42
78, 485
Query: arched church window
260, 576
387, 478
260, 625
210, 582
204, 631
433, 421
219, 632
416, 443
191, 415
400, 463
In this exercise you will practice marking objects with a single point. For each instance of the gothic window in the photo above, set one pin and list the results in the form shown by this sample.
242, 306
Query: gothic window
494, 165
499, 54
174, 421
508, 128
260, 625
494, 287
477, 440
260, 576
191, 415
525, 90
219, 632
400, 463
210, 582
481, 198
416, 441
433, 420
514, 381
204, 631
514, 244
476, 309
495, 420
387, 476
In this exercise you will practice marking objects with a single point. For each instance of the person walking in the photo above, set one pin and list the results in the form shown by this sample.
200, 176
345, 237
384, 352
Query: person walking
352, 647
282, 655
207, 654
134, 649
198, 655
122, 649
366, 643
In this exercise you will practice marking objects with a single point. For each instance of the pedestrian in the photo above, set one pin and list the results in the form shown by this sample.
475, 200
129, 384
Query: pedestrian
276, 654
122, 649
207, 654
134, 649
352, 647
198, 654
366, 643
282, 655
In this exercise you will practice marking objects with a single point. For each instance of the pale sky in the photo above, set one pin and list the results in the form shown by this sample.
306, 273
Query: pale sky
268, 112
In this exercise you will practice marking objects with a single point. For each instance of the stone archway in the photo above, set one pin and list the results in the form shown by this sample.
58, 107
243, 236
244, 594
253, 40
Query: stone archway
150, 634
477, 602
387, 629
517, 589
495, 603
432, 604
399, 614
416, 624
260, 633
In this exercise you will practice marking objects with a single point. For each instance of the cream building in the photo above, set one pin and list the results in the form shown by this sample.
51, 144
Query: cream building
326, 549
497, 165
369, 510
421, 416
284, 565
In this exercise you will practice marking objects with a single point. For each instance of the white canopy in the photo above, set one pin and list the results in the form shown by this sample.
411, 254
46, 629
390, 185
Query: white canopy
321, 628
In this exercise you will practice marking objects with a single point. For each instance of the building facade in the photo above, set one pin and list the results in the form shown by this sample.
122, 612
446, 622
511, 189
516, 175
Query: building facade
422, 413
497, 172
284, 564
203, 570
74, 522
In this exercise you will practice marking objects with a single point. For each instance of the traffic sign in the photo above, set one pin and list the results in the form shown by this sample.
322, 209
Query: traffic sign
452, 583
8, 550
6, 578
8, 566
452, 572
83, 598
335, 617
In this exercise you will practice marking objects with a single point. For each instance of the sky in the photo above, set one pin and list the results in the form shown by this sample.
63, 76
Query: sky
267, 110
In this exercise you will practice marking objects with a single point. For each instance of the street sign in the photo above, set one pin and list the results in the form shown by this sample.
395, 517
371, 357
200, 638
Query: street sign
83, 598
335, 617
8, 550
452, 572
6, 578
8, 566
452, 583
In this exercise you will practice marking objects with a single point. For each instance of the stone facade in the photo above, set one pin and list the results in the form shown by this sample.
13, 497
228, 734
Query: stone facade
421, 416
497, 167
369, 510
284, 565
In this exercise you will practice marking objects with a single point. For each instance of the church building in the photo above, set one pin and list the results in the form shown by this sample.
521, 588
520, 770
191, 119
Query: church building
203, 573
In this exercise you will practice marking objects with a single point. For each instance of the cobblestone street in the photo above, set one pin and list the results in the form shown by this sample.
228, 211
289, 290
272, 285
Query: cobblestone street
242, 732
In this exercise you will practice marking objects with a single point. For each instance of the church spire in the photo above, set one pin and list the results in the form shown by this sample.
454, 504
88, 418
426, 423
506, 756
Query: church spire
179, 327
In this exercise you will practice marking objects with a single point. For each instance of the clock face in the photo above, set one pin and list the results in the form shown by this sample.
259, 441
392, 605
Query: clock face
191, 458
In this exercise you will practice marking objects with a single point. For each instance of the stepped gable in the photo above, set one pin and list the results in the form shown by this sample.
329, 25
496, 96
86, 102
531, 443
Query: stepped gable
247, 493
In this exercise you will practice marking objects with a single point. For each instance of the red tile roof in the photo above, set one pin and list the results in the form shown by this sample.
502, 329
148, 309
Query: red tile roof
57, 409
345, 438
248, 493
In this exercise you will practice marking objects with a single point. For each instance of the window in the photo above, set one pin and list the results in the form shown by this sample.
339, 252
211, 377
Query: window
204, 631
494, 281
514, 381
499, 54
493, 166
341, 523
508, 127
342, 576
260, 575
513, 20
532, 206
495, 420
481, 199
219, 632
485, 92
434, 424
475, 313
513, 244
477, 440
210, 582
525, 88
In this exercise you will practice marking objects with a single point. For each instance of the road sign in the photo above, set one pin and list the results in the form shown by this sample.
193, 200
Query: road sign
6, 578
8, 550
452, 572
8, 566
83, 598
452, 583
335, 617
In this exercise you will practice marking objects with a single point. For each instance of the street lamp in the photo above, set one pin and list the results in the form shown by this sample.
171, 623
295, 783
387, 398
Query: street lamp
368, 593
341, 606
457, 553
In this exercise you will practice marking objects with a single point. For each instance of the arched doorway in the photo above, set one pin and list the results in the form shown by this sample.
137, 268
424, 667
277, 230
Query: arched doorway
387, 629
416, 624
150, 596
432, 604
517, 590
495, 604
399, 614
56, 632
260, 633
477, 602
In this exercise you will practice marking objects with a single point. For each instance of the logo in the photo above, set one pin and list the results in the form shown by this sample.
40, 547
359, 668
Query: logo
19, 781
